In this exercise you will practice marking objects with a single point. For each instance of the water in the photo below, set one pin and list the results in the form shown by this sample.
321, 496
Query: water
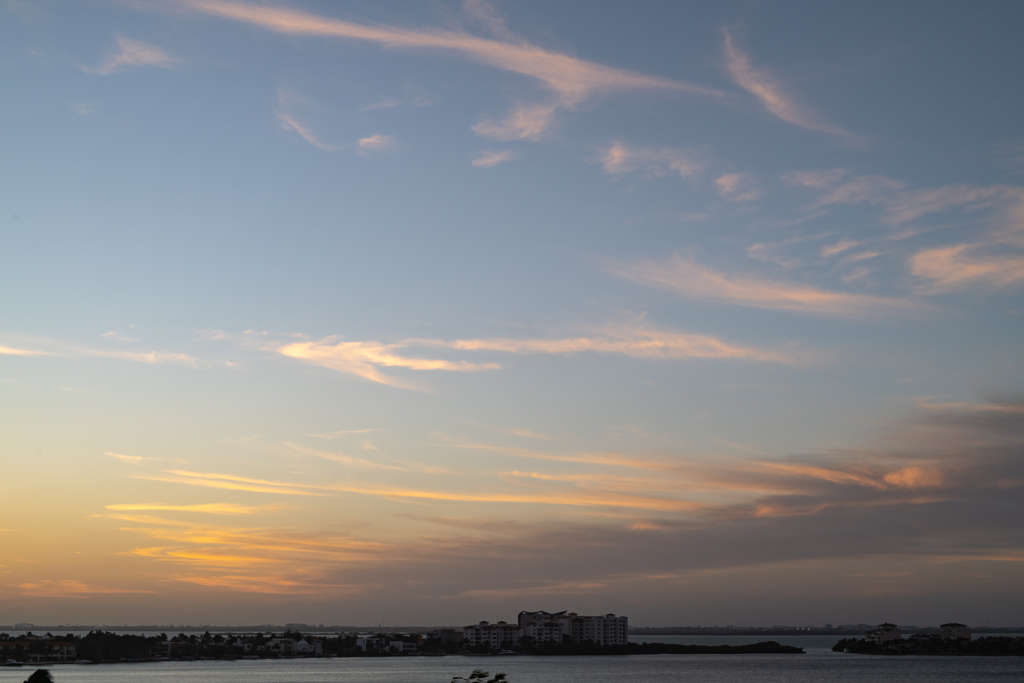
814, 667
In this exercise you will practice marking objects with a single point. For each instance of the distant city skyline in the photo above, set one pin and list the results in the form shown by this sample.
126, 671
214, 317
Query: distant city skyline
422, 312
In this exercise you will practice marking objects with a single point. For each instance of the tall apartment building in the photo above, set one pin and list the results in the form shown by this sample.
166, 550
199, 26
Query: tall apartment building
602, 630
492, 635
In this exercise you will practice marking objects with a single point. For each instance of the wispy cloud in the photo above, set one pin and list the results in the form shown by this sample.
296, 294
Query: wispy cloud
693, 281
232, 483
289, 122
815, 179
640, 341
558, 589
636, 339
738, 187
70, 588
838, 247
899, 204
10, 351
386, 103
55, 348
524, 122
130, 459
349, 460
573, 497
961, 266
343, 432
377, 143
485, 13
364, 358
569, 79
207, 508
618, 514
113, 335
769, 91
487, 159
621, 158
906, 206
133, 53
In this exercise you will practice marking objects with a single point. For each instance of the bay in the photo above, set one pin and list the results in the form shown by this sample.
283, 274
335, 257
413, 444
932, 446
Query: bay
815, 666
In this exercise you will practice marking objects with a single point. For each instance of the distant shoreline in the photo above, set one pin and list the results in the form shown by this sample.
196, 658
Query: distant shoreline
635, 631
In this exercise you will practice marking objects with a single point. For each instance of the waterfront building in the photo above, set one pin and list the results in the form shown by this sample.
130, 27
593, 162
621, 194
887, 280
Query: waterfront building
447, 636
540, 617
492, 635
402, 647
542, 631
884, 633
602, 630
955, 631
370, 643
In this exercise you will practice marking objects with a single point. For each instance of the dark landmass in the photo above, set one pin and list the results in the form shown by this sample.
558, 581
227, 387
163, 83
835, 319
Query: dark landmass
919, 644
201, 628
765, 648
757, 632
106, 647
845, 630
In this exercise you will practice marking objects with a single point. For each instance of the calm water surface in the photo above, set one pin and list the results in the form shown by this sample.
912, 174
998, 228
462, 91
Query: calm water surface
815, 667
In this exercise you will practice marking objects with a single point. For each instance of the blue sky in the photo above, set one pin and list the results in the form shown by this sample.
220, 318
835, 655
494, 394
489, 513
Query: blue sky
406, 311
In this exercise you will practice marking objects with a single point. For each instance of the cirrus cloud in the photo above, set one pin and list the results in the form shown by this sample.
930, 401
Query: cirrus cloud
693, 281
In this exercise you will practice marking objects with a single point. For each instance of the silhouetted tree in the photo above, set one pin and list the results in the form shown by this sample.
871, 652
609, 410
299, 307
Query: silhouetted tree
480, 676
40, 676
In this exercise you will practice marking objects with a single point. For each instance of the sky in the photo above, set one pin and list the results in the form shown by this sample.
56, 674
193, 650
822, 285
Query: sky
432, 312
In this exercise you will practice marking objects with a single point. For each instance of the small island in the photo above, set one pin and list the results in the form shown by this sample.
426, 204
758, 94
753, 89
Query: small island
952, 639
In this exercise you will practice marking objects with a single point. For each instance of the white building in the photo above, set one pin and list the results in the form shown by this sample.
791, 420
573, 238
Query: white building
884, 633
370, 643
542, 631
955, 631
283, 646
492, 635
602, 630
402, 647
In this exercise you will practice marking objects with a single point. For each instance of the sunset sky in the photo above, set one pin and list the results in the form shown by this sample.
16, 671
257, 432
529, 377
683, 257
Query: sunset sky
430, 312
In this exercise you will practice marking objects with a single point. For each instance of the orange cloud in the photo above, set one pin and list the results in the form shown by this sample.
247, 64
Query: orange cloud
571, 78
376, 143
957, 267
638, 342
52, 347
277, 584
210, 508
562, 588
133, 53
131, 459
70, 588
232, 483
8, 351
620, 158
289, 122
766, 88
525, 122
490, 159
362, 359
688, 279
916, 478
